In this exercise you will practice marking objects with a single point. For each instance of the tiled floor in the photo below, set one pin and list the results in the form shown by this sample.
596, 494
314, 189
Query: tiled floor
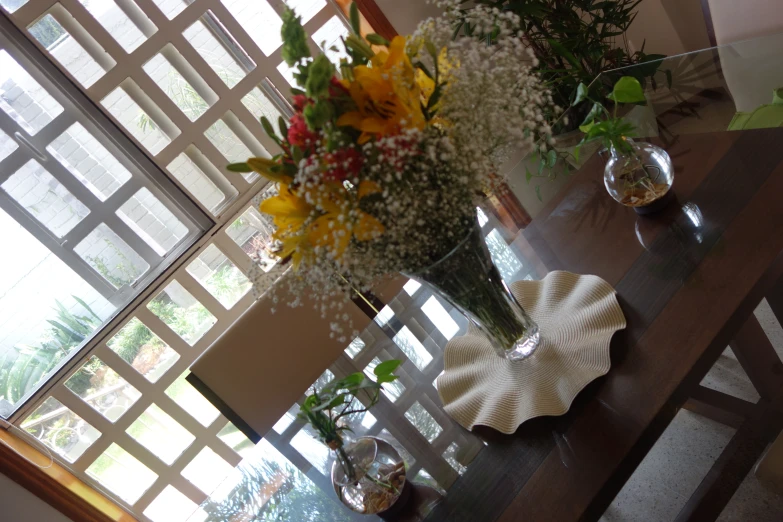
685, 452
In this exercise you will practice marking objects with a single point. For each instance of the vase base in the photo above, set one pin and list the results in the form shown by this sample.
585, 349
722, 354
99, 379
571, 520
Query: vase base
524, 347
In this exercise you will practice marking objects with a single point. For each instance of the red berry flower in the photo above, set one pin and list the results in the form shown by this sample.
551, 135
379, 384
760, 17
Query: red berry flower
342, 164
299, 134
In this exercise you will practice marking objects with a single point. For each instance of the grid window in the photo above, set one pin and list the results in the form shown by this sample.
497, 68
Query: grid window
219, 276
181, 312
122, 473
118, 24
103, 389
45, 198
89, 161
65, 49
23, 98
223, 63
60, 429
143, 350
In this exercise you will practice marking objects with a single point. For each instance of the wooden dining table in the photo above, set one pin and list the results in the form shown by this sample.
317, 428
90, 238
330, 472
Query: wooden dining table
688, 280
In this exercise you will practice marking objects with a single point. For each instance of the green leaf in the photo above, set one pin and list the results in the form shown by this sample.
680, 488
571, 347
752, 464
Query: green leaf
386, 367
565, 53
239, 167
386, 378
432, 50
586, 127
627, 90
435, 96
581, 94
551, 158
283, 127
377, 39
297, 154
528, 174
268, 128
355, 19
538, 193
424, 69
595, 111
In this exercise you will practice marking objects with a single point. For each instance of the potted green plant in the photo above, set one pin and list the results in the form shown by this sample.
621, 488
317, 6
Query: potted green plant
368, 474
637, 175
574, 42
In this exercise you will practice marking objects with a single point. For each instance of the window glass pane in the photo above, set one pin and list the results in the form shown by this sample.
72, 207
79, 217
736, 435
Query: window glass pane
89, 161
213, 51
12, 5
252, 231
190, 400
152, 221
328, 36
306, 8
119, 472
423, 422
143, 350
219, 276
171, 8
176, 87
440, 318
259, 20
196, 182
7, 145
170, 506
235, 439
287, 73
36, 288
228, 143
66, 50
159, 433
181, 312
117, 23
23, 98
412, 348
45, 198
207, 470
137, 122
406, 456
111, 257
103, 389
60, 429
259, 105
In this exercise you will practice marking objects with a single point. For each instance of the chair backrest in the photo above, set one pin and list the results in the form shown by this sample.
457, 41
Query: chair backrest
265, 361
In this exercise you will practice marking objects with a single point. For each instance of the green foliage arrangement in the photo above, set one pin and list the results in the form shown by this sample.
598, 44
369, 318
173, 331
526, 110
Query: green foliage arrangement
324, 409
607, 127
575, 41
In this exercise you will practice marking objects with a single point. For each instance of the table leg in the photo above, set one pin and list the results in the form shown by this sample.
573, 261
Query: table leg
757, 425
758, 358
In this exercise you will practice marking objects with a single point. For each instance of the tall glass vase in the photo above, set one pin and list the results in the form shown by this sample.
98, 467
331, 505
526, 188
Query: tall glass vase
468, 279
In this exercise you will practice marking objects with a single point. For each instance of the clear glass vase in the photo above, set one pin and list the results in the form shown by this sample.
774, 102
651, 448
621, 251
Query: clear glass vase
368, 476
639, 175
468, 279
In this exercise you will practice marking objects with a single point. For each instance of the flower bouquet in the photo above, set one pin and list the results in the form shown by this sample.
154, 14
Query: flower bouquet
389, 151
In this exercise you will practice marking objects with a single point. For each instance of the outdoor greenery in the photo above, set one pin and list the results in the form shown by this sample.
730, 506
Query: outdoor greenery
575, 41
22, 369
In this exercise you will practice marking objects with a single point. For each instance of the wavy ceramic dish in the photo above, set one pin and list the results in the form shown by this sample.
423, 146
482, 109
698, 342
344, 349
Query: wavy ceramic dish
577, 315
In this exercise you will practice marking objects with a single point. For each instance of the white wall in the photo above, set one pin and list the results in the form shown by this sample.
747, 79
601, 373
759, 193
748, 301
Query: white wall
405, 15
19, 505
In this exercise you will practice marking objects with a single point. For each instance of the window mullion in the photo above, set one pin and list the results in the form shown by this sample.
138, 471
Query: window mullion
202, 295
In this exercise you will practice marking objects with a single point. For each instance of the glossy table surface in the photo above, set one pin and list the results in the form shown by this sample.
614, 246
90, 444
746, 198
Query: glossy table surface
687, 278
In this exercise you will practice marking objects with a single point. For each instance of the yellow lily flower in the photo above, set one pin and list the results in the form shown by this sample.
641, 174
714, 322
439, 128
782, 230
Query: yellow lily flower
386, 94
